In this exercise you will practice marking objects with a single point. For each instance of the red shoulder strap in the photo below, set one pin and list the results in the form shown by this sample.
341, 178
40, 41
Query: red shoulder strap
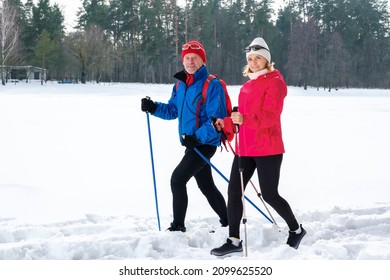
203, 99
206, 86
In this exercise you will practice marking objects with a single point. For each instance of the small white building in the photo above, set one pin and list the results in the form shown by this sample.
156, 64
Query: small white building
28, 73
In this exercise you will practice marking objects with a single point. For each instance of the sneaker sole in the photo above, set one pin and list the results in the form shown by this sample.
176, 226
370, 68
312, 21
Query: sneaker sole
235, 253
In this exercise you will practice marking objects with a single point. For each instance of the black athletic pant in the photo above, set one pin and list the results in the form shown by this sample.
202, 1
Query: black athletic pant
193, 165
268, 171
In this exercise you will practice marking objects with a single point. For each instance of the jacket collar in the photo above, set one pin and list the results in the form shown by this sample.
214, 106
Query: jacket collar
274, 73
201, 74
254, 76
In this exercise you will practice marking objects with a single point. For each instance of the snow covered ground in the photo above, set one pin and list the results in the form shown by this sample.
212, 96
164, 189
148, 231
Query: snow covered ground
76, 179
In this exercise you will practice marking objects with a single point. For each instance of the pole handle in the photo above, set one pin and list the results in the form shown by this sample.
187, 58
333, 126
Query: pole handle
235, 109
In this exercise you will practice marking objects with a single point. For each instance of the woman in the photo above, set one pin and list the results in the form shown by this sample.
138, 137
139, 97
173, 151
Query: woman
260, 144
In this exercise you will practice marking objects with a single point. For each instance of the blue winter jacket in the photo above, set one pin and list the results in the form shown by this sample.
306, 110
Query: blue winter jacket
183, 105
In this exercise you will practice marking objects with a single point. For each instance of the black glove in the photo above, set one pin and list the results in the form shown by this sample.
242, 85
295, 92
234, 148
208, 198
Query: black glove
147, 105
190, 141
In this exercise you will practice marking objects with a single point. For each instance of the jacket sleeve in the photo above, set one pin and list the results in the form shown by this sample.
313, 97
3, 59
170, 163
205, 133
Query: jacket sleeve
229, 128
215, 107
272, 107
167, 111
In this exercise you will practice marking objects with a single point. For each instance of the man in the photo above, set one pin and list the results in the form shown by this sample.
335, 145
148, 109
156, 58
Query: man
195, 131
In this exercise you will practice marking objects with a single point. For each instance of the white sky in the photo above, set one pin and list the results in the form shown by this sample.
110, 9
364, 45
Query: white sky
69, 8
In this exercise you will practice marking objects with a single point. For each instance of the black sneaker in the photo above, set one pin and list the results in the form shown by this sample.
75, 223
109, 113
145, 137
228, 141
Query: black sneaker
294, 239
226, 249
175, 227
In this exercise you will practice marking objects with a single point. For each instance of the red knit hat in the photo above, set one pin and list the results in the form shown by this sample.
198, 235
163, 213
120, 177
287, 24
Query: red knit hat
194, 47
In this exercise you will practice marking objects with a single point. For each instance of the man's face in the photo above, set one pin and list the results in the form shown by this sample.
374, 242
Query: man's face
192, 62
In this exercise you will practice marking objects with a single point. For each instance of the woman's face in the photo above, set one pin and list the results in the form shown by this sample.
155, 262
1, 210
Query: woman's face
257, 63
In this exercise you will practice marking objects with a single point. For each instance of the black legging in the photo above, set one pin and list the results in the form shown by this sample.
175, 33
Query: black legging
193, 165
268, 170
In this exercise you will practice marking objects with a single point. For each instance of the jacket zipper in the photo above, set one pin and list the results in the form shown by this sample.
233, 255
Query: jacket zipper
181, 112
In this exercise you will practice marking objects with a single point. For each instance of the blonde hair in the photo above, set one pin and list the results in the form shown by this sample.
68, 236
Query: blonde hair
246, 70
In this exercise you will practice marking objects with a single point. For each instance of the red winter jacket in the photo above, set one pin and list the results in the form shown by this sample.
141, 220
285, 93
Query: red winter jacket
261, 104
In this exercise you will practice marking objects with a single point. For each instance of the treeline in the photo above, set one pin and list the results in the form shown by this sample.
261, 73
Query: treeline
322, 43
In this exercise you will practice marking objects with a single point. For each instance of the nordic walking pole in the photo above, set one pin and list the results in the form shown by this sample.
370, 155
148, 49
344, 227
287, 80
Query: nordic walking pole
154, 176
227, 180
241, 169
250, 181
257, 192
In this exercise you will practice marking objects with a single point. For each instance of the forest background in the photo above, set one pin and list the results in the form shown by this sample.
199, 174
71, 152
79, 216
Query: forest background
321, 43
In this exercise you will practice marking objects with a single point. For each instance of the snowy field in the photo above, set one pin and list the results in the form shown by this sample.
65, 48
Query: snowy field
76, 178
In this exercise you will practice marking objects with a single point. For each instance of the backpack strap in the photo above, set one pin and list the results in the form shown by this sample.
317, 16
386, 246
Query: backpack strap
206, 86
204, 96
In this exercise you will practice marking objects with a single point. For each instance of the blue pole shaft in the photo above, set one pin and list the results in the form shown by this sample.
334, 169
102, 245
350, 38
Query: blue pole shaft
154, 176
226, 179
